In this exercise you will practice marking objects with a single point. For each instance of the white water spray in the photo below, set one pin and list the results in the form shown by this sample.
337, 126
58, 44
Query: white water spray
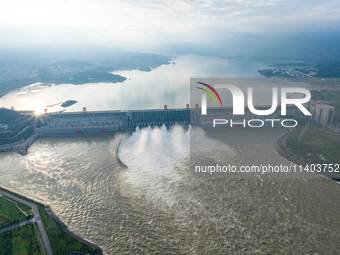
157, 158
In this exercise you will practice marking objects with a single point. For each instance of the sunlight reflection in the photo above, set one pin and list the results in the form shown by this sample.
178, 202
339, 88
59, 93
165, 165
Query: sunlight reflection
37, 105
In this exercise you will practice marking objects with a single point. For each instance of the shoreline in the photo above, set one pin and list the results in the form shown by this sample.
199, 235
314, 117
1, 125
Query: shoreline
21, 146
113, 78
64, 227
280, 142
17, 196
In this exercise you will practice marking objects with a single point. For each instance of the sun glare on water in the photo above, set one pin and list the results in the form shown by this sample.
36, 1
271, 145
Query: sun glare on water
37, 105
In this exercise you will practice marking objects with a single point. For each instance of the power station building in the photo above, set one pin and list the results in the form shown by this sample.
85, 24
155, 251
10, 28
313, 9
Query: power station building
321, 113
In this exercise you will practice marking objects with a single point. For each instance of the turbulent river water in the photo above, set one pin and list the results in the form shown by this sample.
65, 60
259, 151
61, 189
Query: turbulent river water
157, 207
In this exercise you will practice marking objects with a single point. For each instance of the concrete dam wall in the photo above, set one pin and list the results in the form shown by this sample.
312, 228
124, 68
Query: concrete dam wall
106, 122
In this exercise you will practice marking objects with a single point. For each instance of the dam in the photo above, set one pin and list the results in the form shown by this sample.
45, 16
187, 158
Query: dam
100, 122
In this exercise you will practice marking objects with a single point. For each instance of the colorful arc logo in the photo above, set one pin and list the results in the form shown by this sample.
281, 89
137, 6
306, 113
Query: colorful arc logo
209, 93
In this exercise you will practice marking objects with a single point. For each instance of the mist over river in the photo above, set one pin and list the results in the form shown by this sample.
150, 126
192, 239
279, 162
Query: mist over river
157, 207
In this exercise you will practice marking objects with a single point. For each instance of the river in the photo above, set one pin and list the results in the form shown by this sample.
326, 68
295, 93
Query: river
167, 84
157, 206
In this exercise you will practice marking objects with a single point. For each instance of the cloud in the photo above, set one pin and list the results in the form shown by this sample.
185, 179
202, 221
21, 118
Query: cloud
147, 22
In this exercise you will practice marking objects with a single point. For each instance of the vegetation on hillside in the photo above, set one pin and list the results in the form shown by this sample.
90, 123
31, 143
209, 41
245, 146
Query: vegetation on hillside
324, 95
93, 77
9, 213
23, 240
329, 70
73, 62
315, 145
61, 242
7, 116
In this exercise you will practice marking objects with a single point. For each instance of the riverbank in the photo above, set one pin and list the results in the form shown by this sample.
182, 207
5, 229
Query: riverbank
76, 79
279, 143
47, 229
21, 146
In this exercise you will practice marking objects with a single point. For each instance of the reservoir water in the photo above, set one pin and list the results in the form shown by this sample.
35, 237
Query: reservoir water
167, 84
156, 206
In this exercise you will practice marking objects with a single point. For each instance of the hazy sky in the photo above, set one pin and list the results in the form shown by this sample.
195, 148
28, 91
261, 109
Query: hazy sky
137, 23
